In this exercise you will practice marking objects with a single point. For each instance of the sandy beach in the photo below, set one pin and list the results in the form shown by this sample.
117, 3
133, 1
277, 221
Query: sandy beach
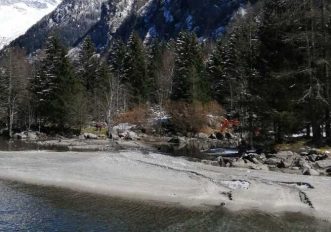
161, 178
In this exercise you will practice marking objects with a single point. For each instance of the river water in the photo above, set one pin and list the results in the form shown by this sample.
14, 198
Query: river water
35, 208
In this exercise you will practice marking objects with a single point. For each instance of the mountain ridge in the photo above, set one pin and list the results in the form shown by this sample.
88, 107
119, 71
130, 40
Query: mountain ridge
102, 20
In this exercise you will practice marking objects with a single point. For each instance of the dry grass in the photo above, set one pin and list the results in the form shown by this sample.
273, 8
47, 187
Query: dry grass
137, 116
192, 117
295, 147
93, 130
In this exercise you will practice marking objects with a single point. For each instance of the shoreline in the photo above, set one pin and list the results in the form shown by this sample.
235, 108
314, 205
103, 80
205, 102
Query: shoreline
154, 177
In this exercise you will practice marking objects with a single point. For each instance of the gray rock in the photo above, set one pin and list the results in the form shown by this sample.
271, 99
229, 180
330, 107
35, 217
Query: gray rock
288, 162
313, 172
310, 172
81, 137
212, 136
324, 163
21, 136
260, 167
322, 157
115, 136
255, 161
130, 135
284, 154
304, 153
220, 161
202, 136
240, 163
208, 162
90, 136
273, 161
215, 163
302, 163
312, 157
32, 135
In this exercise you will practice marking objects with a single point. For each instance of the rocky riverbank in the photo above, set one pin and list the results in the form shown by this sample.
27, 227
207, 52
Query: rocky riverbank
201, 148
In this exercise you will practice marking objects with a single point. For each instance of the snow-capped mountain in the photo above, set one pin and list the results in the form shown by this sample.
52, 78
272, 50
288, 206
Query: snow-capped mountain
74, 20
17, 16
164, 19
70, 21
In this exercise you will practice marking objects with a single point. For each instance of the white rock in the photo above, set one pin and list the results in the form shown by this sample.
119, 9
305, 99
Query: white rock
21, 136
130, 135
32, 135
90, 136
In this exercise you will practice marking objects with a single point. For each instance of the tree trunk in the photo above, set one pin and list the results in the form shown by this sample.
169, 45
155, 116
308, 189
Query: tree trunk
10, 100
308, 130
317, 133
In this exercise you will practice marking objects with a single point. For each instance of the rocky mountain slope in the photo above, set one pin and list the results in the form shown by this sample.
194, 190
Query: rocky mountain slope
17, 16
102, 20
164, 19
70, 21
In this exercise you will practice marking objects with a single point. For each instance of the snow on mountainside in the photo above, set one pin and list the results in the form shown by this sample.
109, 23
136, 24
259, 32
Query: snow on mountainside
70, 21
164, 19
17, 16
102, 20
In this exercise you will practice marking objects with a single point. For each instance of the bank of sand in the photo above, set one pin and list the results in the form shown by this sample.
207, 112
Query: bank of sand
160, 178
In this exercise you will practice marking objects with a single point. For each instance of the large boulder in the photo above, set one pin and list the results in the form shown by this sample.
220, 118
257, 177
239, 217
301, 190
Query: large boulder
123, 130
324, 164
302, 163
32, 135
273, 161
130, 135
20, 136
289, 161
310, 172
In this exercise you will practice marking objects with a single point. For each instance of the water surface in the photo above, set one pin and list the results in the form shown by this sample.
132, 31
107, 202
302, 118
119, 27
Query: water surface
35, 208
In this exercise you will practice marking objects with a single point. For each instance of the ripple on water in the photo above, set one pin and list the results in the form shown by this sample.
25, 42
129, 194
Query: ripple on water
34, 208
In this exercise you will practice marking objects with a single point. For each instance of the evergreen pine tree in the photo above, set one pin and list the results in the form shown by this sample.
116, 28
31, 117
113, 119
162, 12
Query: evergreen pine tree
155, 65
135, 71
116, 59
88, 64
56, 87
189, 82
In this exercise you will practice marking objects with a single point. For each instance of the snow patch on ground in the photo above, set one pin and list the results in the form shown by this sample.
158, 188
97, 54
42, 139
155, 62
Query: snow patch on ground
236, 184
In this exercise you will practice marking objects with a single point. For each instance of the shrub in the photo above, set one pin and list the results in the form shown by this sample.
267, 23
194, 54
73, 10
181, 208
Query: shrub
137, 116
192, 117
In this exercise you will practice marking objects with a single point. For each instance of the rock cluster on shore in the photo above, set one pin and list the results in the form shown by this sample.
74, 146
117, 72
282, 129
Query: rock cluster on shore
312, 162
